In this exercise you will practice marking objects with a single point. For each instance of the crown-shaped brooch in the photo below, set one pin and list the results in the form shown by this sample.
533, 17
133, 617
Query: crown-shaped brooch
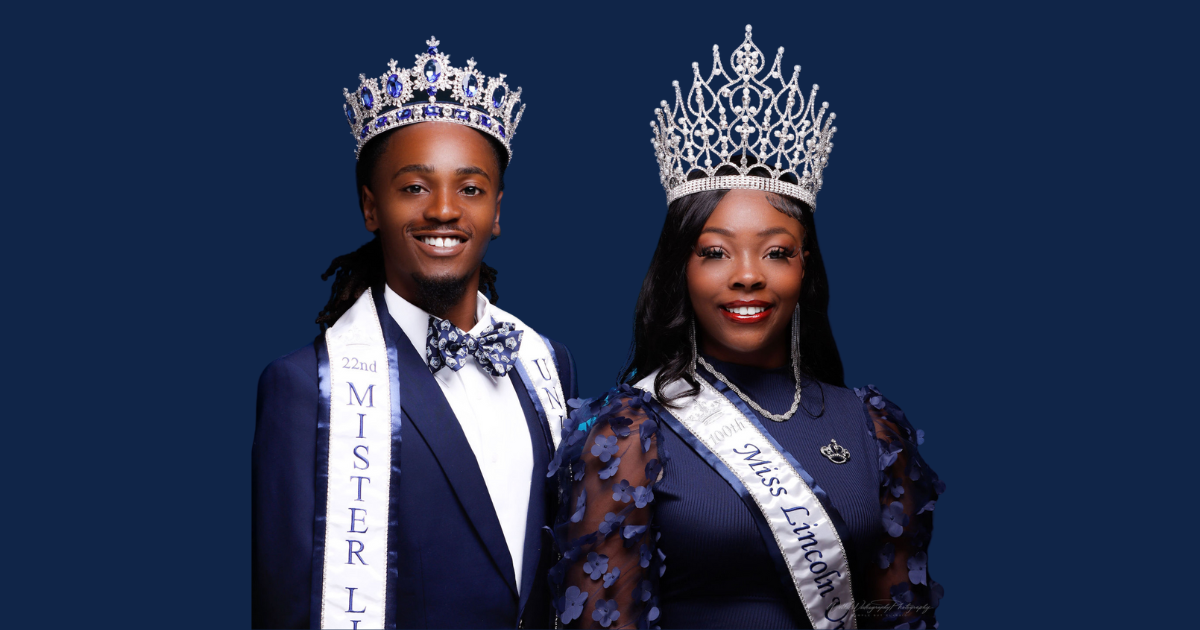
757, 127
404, 96
835, 452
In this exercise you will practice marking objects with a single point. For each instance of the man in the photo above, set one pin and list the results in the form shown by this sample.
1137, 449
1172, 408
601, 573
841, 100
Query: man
399, 462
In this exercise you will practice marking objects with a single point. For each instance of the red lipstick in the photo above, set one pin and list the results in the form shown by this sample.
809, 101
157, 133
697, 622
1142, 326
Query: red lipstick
734, 311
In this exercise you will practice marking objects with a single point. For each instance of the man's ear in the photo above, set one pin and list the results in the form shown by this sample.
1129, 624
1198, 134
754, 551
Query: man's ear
370, 210
496, 221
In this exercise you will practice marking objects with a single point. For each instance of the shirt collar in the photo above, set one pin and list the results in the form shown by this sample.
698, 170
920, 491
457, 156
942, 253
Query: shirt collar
415, 321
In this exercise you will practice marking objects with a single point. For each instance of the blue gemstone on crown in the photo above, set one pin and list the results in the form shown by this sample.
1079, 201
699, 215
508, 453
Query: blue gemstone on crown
465, 97
433, 70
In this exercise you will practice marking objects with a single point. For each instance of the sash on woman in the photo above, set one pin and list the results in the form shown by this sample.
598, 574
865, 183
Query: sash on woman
769, 479
358, 461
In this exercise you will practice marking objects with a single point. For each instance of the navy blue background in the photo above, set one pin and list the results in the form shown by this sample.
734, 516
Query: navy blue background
1007, 221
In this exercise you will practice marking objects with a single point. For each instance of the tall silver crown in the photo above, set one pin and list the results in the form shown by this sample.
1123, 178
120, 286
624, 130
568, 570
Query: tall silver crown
405, 96
781, 131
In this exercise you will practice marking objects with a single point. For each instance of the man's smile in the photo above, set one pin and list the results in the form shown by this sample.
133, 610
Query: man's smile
441, 243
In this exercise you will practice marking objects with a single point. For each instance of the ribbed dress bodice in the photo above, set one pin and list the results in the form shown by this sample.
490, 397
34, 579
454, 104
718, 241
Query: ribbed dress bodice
720, 572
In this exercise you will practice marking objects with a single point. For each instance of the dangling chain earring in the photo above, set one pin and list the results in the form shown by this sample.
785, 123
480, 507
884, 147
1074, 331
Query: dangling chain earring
796, 342
697, 359
695, 355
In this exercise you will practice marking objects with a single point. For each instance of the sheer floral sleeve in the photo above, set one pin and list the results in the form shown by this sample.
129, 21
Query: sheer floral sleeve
611, 460
909, 489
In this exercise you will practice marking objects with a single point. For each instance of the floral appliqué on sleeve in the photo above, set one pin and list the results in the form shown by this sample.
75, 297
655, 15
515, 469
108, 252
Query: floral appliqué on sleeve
900, 587
611, 457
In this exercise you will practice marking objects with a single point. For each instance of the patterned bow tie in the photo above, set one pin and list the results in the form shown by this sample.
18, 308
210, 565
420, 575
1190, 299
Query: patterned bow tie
494, 349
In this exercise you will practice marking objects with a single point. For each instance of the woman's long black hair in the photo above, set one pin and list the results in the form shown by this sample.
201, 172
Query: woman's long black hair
363, 268
663, 316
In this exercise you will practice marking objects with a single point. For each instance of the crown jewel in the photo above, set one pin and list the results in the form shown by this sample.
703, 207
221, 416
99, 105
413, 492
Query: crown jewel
775, 125
404, 96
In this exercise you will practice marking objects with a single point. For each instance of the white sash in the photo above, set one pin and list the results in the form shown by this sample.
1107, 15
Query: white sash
361, 426
359, 456
535, 364
803, 531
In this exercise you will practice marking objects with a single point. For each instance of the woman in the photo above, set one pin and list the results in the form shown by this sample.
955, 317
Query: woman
732, 448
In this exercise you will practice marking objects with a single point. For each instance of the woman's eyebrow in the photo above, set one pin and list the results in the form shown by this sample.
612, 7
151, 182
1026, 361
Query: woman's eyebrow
717, 230
774, 230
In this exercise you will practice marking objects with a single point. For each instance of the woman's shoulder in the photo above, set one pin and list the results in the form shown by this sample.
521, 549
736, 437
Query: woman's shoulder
899, 441
615, 400
620, 410
821, 397
621, 402
860, 404
887, 416
596, 427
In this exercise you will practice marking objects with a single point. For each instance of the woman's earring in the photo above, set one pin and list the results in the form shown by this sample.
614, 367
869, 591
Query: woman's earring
692, 330
796, 338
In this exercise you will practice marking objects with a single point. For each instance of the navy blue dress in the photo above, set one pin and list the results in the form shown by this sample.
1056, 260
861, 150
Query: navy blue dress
720, 572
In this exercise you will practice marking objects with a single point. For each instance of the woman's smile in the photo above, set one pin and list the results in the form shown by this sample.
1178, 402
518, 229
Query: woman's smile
747, 311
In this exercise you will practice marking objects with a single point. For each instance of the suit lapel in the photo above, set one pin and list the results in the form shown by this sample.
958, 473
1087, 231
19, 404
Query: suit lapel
539, 434
427, 410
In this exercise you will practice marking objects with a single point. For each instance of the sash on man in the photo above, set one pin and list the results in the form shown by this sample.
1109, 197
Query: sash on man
399, 462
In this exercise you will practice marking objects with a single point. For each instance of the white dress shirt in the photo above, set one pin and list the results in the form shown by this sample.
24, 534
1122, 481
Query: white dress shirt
490, 415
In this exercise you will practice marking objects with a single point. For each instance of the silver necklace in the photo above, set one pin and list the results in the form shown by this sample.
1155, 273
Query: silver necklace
721, 377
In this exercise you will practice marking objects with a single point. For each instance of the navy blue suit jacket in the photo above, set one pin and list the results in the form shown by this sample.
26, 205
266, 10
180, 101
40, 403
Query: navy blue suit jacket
455, 567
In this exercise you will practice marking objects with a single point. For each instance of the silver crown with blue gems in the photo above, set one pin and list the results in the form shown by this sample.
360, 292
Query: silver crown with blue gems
785, 134
404, 96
